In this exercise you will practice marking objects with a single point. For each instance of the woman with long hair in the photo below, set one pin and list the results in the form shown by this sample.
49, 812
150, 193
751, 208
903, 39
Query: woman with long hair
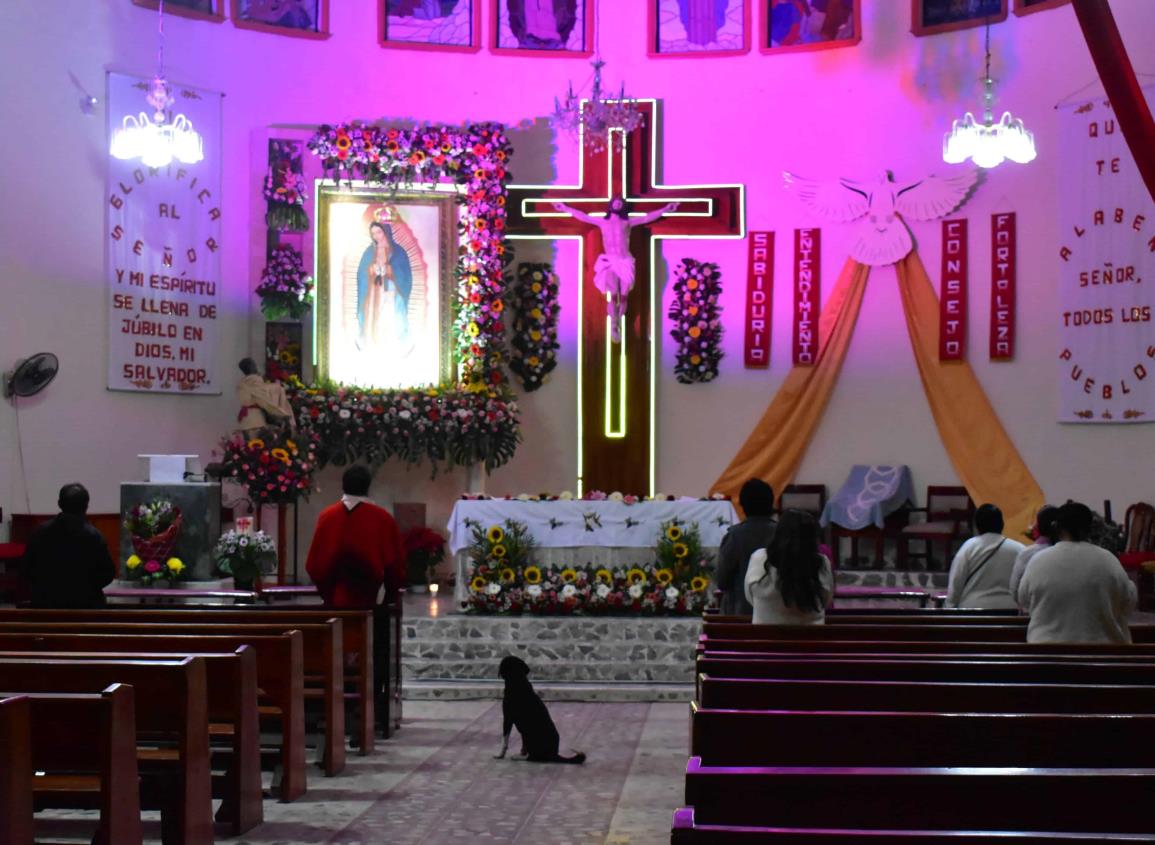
790, 582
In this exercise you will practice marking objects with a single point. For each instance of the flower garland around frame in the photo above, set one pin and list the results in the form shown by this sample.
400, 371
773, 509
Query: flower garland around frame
475, 158
286, 290
697, 321
535, 324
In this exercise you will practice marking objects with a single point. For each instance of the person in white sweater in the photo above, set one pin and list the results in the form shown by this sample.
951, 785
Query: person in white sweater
1046, 534
980, 574
1075, 591
790, 582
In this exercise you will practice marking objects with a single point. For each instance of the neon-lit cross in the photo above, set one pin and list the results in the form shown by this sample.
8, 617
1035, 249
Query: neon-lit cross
617, 382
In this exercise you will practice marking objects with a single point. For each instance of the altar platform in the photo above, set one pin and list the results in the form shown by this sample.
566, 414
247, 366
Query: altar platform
451, 655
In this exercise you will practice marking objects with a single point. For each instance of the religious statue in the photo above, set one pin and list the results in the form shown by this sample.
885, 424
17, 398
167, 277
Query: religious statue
384, 282
263, 403
882, 236
614, 269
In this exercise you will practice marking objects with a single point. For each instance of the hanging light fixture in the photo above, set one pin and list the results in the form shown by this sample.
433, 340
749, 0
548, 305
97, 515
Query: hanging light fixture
593, 118
988, 143
164, 137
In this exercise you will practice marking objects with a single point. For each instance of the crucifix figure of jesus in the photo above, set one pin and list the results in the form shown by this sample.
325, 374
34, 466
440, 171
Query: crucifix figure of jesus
614, 269
619, 260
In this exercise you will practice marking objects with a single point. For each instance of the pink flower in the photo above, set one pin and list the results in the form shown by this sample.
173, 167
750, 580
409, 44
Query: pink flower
152, 566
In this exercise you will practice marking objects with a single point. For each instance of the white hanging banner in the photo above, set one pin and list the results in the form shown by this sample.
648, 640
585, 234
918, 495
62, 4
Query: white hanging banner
164, 253
1106, 273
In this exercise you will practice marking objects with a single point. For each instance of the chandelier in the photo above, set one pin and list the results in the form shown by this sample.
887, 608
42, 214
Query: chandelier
988, 143
164, 137
594, 119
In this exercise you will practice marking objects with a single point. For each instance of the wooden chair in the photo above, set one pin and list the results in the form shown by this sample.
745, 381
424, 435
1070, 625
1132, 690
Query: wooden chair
949, 513
1138, 535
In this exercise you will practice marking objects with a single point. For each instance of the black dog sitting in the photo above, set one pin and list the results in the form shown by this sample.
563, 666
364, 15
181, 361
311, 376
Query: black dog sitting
523, 709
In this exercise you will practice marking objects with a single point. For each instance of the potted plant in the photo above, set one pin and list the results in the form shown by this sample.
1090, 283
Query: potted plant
244, 557
424, 549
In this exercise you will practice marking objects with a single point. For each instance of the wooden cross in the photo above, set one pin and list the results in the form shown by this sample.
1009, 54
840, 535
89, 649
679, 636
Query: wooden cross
617, 381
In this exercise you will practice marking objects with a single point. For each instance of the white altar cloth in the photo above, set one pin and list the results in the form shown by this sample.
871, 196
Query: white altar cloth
583, 532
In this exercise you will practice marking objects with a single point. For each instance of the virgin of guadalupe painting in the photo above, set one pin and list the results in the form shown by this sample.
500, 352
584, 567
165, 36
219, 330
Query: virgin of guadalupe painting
384, 268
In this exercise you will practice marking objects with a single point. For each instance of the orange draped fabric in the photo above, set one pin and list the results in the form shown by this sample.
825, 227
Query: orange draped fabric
776, 447
979, 448
982, 454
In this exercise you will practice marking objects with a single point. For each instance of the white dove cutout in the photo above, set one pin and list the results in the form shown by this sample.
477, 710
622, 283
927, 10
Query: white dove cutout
882, 236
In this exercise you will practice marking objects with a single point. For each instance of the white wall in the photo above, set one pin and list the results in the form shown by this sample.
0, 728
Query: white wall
853, 112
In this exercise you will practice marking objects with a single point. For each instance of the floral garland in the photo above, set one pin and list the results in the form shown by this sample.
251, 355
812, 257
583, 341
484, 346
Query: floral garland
286, 290
275, 467
535, 324
504, 580
447, 428
475, 158
285, 189
697, 321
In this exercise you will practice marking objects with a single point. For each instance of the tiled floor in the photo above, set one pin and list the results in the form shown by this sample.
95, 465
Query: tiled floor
436, 781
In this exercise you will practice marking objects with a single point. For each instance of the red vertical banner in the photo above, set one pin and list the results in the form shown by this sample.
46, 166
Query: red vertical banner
759, 291
1004, 261
807, 294
952, 300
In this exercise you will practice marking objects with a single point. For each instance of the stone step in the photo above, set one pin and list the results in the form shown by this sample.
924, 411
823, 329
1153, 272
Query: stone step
466, 628
681, 672
434, 651
492, 690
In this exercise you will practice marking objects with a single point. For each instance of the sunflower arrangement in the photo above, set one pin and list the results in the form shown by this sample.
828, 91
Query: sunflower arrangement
535, 324
276, 467
697, 321
644, 589
679, 551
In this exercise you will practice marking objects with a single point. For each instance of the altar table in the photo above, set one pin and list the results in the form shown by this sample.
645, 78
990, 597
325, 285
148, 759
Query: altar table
580, 532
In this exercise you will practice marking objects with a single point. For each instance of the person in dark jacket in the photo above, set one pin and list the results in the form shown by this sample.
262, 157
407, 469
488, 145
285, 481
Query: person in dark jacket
66, 564
742, 540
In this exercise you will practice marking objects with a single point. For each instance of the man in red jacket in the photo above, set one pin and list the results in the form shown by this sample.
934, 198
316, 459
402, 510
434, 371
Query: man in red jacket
356, 547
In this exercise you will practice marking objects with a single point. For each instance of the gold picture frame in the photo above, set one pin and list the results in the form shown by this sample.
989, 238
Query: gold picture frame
385, 268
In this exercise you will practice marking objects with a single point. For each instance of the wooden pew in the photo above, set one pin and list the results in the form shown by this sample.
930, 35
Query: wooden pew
171, 703
1023, 649
1010, 632
893, 696
279, 668
857, 738
322, 658
86, 746
231, 678
687, 831
960, 669
943, 799
15, 771
356, 631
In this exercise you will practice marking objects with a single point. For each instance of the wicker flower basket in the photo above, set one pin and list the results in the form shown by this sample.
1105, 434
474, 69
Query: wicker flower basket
160, 546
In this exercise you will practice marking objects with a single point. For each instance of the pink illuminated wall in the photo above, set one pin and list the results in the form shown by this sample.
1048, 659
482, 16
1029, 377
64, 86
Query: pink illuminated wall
881, 104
